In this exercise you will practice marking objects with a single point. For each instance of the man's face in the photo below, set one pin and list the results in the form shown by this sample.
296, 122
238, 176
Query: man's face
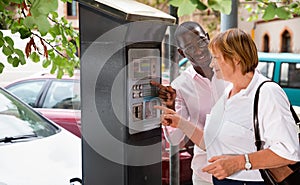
195, 47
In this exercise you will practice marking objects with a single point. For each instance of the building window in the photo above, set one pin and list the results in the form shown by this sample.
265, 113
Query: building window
286, 42
266, 43
72, 8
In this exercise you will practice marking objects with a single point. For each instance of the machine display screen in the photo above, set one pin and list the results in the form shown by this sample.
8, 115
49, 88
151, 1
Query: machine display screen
143, 68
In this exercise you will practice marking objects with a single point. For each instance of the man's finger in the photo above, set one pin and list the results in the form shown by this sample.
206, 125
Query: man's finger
158, 85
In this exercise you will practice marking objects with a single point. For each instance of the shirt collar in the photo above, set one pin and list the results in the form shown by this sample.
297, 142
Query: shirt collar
251, 85
193, 73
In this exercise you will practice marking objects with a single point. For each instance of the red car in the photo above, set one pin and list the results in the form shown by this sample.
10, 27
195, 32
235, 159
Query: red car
59, 101
56, 99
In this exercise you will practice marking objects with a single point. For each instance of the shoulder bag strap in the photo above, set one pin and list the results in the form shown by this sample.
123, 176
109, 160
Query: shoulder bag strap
258, 141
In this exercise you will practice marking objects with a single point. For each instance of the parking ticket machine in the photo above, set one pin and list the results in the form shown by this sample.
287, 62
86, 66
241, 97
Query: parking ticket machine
121, 52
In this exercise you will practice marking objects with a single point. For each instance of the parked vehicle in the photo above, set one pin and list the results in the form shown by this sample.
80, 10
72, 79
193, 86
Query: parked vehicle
59, 101
283, 68
34, 150
56, 99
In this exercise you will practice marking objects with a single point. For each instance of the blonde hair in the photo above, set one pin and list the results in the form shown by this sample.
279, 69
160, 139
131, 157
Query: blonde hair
236, 44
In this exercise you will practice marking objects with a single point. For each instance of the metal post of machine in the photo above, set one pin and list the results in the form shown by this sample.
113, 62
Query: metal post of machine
121, 51
174, 72
231, 20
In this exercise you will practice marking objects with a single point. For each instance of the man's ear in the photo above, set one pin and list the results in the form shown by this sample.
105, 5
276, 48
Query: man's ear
181, 52
207, 36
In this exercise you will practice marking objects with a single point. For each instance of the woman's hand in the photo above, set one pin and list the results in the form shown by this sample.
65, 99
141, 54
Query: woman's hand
169, 117
225, 165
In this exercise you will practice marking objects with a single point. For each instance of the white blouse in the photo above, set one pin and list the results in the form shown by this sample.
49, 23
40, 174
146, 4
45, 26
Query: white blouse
229, 127
195, 95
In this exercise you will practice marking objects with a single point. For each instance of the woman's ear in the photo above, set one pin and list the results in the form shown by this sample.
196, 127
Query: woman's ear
236, 61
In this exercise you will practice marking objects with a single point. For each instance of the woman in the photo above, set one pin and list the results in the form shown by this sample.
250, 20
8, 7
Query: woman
228, 133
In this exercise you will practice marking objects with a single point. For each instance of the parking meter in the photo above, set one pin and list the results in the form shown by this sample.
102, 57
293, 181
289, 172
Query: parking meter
121, 49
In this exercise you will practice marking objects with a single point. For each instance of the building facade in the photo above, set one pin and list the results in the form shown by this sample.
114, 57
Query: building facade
278, 35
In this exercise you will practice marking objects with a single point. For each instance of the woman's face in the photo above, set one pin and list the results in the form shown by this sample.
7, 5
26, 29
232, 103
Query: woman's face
222, 68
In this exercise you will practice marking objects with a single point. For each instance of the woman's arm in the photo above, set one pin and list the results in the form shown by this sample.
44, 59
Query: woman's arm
264, 159
171, 118
226, 165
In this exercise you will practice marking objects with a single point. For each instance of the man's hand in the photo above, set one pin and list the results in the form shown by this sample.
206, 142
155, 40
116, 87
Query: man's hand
166, 93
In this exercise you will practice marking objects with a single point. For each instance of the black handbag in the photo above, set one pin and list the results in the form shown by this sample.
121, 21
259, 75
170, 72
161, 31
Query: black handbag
286, 175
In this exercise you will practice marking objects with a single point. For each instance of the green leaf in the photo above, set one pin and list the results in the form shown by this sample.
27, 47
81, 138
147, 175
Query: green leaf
1, 42
19, 52
10, 59
282, 13
187, 7
54, 15
9, 41
7, 50
60, 73
70, 71
22, 60
69, 51
24, 33
14, 27
17, 1
54, 31
35, 57
223, 6
64, 20
42, 24
176, 3
1, 67
201, 6
34, 9
15, 62
2, 8
46, 63
47, 6
270, 12
59, 61
29, 22
53, 69
21, 56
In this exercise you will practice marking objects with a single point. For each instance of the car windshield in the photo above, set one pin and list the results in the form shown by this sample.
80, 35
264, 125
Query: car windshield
18, 121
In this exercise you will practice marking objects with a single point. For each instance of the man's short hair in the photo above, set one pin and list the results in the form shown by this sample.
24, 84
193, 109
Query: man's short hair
188, 27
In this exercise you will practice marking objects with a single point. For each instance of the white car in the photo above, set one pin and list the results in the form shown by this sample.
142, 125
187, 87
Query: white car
34, 150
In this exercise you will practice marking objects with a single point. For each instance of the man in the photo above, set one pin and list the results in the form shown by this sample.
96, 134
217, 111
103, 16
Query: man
194, 92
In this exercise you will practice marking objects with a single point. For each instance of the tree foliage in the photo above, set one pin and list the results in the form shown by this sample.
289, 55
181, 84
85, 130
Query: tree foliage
270, 9
52, 39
